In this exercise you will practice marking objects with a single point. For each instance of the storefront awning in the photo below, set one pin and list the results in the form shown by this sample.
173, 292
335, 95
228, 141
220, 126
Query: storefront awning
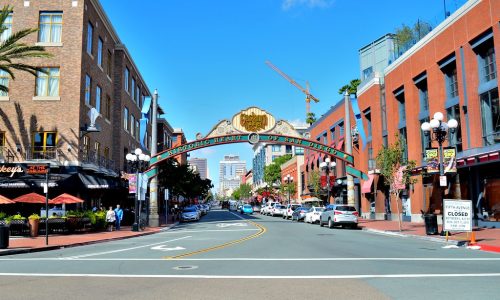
92, 182
367, 185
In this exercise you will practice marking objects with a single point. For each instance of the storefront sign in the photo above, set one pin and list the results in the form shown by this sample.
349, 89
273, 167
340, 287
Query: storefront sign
10, 169
37, 169
432, 160
457, 215
450, 160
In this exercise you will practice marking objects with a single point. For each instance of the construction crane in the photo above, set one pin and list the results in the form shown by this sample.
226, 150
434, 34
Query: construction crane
309, 97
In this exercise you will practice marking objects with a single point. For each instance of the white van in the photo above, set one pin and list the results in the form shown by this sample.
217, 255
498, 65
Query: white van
268, 208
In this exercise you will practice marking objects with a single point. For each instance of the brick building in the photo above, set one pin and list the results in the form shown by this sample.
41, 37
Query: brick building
45, 119
453, 69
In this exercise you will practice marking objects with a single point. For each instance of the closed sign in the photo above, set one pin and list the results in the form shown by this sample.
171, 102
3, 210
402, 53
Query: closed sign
457, 215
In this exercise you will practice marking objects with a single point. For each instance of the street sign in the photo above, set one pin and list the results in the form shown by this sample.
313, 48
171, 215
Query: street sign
457, 215
442, 181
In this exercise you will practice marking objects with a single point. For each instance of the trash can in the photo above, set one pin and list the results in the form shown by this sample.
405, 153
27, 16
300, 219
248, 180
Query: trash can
431, 224
4, 237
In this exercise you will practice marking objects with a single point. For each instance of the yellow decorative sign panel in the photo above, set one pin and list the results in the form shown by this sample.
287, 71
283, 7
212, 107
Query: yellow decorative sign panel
253, 119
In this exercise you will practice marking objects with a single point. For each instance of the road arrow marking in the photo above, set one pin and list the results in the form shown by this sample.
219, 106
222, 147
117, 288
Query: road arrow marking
162, 248
223, 225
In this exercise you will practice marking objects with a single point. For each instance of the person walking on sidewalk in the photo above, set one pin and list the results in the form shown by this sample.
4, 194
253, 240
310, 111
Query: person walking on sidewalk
119, 216
110, 218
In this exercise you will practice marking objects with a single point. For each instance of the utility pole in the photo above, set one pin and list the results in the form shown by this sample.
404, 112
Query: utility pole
154, 218
348, 147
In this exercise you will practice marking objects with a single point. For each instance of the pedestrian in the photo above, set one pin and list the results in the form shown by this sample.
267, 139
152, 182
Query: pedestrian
119, 216
110, 218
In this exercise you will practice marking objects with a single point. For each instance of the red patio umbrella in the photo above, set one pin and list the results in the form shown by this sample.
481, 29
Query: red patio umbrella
30, 198
5, 200
65, 199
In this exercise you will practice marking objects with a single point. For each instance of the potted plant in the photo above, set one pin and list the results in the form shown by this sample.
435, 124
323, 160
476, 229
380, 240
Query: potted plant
34, 221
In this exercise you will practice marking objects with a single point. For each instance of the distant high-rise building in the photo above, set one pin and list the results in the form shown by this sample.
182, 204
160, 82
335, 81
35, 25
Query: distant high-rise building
201, 166
230, 173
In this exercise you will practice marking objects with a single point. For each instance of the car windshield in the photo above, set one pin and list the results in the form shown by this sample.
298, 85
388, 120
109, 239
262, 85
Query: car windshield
189, 209
320, 209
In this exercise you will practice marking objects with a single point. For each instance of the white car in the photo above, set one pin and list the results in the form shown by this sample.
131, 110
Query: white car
278, 210
339, 214
268, 208
289, 210
313, 215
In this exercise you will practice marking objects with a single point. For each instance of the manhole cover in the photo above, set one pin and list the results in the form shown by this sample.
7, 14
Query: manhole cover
185, 267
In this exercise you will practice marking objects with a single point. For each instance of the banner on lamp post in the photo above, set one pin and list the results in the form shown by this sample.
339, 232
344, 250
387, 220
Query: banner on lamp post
132, 183
450, 160
432, 160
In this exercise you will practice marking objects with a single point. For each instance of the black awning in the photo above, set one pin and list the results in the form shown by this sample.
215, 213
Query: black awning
93, 182
35, 181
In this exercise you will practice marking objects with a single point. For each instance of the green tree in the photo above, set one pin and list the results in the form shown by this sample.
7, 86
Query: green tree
272, 173
288, 189
314, 183
245, 191
310, 118
396, 170
407, 36
352, 87
13, 51
236, 194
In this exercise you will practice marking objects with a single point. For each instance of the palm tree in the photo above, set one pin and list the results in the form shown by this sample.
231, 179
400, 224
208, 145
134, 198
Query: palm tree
13, 51
310, 118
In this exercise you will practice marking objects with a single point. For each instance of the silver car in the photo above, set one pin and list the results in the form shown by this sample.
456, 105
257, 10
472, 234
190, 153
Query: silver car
339, 214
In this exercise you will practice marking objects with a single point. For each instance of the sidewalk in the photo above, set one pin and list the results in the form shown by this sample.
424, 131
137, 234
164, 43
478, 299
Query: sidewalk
486, 239
56, 241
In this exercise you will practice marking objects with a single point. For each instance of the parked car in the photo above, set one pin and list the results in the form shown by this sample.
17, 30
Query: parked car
289, 210
299, 213
339, 214
202, 209
278, 210
246, 209
190, 214
269, 206
256, 208
312, 216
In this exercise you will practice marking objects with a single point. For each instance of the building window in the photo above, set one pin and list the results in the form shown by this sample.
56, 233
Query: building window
110, 63
97, 149
383, 109
425, 140
488, 64
490, 117
90, 36
47, 82
106, 153
450, 74
126, 75
332, 134
4, 81
133, 89
404, 143
132, 125
368, 117
288, 149
88, 82
50, 27
276, 148
99, 52
98, 99
107, 112
400, 97
125, 119
423, 95
341, 129
455, 138
325, 138
137, 129
2, 143
44, 145
367, 73
371, 161
138, 95
86, 147
299, 151
7, 28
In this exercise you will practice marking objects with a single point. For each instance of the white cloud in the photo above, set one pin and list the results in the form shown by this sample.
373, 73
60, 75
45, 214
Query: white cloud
289, 4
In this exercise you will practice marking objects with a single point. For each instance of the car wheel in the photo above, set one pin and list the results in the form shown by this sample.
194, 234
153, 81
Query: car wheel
330, 223
320, 223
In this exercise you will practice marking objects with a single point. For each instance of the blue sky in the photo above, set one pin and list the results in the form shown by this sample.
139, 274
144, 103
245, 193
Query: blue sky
207, 58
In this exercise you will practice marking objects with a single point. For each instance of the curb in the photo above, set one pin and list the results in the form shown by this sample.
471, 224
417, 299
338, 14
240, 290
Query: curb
56, 247
420, 237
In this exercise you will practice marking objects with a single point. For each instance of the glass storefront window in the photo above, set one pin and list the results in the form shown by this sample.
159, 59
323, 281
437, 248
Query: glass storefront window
490, 117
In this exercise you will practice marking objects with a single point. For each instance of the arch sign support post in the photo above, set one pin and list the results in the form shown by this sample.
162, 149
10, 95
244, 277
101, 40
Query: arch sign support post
252, 125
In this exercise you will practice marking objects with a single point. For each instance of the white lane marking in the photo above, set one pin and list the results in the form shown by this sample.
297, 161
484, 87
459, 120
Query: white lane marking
256, 277
162, 248
211, 230
444, 259
122, 250
223, 225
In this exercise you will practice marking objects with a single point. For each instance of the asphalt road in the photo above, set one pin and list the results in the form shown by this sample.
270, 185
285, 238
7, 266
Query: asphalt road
229, 256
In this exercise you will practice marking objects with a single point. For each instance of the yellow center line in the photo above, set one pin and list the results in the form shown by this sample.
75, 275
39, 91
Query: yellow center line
262, 230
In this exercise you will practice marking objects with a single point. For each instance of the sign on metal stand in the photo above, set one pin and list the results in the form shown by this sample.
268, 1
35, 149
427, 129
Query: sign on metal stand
458, 215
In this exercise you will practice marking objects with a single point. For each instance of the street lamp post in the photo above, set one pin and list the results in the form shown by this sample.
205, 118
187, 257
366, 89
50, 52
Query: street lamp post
327, 166
288, 180
138, 161
439, 132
